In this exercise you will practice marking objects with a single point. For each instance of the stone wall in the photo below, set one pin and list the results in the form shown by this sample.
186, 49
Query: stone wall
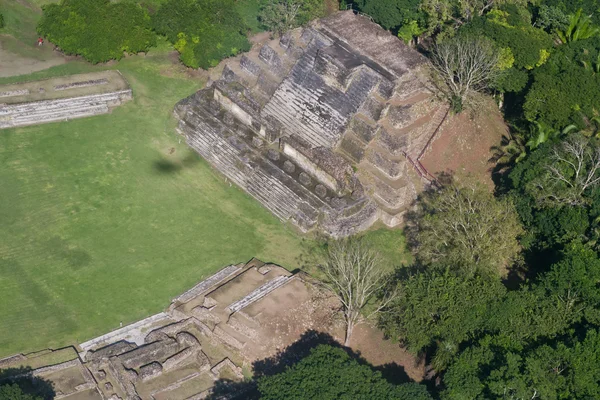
62, 98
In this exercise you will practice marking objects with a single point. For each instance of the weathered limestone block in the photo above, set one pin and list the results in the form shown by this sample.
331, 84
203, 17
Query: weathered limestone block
91, 82
249, 66
321, 190
394, 143
372, 109
110, 350
289, 167
266, 84
353, 148
228, 75
286, 40
148, 353
273, 155
271, 58
386, 89
304, 179
362, 129
256, 142
337, 202
177, 359
150, 371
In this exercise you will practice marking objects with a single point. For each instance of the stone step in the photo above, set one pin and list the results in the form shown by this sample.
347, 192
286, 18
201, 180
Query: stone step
258, 293
208, 283
55, 116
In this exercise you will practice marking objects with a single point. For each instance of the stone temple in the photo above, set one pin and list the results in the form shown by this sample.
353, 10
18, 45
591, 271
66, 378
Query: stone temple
324, 126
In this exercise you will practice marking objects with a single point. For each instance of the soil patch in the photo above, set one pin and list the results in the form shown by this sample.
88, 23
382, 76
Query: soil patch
463, 145
12, 64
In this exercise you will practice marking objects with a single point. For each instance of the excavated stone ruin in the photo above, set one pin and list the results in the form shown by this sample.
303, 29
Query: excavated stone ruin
242, 313
324, 126
62, 98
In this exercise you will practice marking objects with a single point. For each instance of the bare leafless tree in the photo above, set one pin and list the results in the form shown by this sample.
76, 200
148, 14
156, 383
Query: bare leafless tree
466, 65
573, 169
355, 274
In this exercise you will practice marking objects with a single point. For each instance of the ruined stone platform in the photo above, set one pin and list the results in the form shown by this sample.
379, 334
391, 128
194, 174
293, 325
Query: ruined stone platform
324, 126
62, 98
215, 330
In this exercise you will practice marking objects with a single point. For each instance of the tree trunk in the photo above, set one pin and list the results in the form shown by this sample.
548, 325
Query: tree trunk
349, 328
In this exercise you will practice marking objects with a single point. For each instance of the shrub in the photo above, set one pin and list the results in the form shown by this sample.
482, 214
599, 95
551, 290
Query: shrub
203, 31
98, 30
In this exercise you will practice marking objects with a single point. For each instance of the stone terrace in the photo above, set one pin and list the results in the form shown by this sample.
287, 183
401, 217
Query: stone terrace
61, 99
324, 126
213, 331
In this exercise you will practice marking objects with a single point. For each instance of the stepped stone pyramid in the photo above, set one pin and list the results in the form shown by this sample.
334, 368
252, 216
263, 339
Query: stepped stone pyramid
324, 126
62, 98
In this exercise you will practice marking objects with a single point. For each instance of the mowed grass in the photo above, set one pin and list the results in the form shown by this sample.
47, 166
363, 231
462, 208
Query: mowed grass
105, 219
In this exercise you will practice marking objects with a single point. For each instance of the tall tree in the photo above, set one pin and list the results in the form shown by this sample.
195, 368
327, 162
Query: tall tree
570, 173
466, 65
355, 274
280, 16
466, 227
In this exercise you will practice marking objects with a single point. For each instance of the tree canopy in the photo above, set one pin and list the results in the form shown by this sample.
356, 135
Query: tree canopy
329, 373
202, 31
467, 228
98, 30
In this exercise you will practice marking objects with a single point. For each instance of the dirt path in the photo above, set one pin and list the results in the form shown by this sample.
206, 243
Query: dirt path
12, 64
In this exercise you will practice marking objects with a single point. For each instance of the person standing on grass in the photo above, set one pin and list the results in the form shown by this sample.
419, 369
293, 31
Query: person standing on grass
40, 41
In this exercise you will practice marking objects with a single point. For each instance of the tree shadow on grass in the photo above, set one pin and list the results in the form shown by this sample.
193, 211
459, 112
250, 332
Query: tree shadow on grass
290, 356
170, 166
27, 382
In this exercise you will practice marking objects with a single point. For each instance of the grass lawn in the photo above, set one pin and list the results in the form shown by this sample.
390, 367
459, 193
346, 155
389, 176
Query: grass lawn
102, 224
105, 219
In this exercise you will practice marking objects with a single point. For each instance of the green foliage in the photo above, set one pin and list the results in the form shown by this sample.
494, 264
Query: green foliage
282, 15
580, 27
556, 211
440, 307
98, 30
529, 46
14, 392
1, 21
552, 18
566, 90
329, 373
392, 14
409, 30
466, 228
203, 31
567, 369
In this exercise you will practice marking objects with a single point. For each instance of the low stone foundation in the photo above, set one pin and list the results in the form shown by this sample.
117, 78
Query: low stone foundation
62, 99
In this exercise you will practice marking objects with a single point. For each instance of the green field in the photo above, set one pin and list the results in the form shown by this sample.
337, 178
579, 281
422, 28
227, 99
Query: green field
101, 224
105, 219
